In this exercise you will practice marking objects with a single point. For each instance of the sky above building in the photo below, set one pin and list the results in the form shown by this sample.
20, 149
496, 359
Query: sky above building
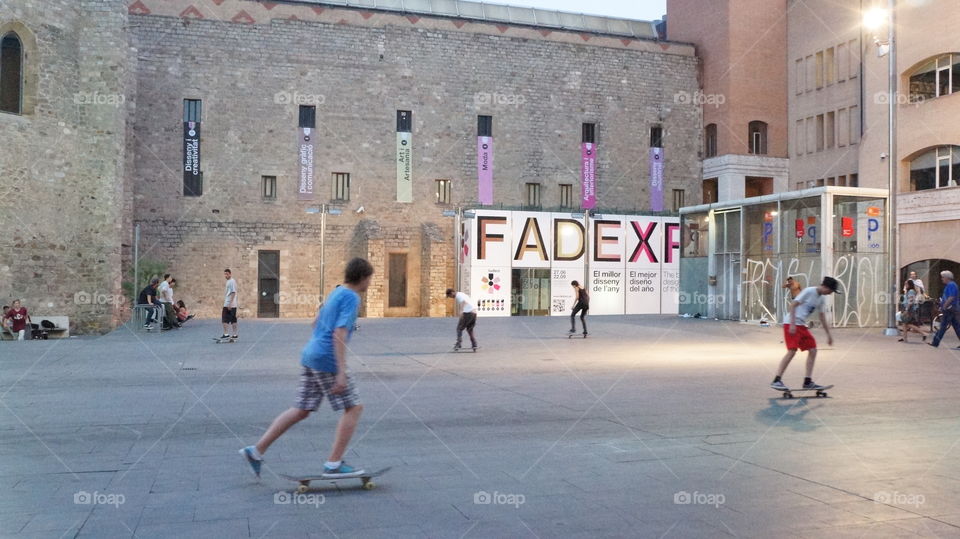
646, 10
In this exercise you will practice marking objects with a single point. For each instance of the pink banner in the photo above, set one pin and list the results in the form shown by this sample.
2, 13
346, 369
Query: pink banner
588, 175
305, 149
485, 169
656, 179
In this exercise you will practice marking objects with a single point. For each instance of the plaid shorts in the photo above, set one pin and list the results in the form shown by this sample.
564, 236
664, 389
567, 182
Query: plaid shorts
313, 385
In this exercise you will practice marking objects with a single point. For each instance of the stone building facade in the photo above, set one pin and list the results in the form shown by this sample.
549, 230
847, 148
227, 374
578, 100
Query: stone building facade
252, 65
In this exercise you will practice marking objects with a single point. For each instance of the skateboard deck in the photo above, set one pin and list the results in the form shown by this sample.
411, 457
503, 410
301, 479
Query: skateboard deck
364, 477
788, 392
572, 335
461, 349
221, 340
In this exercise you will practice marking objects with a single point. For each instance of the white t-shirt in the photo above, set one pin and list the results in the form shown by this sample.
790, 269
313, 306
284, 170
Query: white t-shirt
165, 292
464, 303
231, 287
810, 300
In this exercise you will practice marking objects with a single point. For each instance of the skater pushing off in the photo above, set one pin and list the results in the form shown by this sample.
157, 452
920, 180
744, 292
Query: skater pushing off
582, 306
796, 335
468, 317
323, 371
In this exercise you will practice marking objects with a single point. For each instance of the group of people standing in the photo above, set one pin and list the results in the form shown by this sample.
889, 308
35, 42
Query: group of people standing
159, 295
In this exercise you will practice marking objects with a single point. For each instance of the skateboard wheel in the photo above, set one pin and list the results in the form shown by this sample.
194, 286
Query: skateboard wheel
821, 393
368, 485
302, 489
788, 395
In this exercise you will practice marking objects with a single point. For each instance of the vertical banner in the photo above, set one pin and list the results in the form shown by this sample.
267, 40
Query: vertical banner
191, 158
644, 254
404, 156
567, 253
306, 150
491, 254
485, 169
588, 175
607, 265
670, 267
656, 179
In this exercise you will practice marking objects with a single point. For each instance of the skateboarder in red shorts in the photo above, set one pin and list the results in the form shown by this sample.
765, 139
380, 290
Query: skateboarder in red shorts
796, 335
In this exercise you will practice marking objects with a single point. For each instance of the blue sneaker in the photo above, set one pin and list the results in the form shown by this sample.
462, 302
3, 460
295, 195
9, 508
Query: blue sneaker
247, 453
343, 469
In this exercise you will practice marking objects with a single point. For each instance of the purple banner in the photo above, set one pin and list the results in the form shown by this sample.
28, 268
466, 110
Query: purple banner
192, 177
305, 179
485, 169
588, 175
656, 179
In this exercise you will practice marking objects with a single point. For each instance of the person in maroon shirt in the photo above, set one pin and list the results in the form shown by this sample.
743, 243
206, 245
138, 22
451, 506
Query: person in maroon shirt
18, 314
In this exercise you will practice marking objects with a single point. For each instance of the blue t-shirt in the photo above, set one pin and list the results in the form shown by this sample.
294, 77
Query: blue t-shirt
339, 311
950, 291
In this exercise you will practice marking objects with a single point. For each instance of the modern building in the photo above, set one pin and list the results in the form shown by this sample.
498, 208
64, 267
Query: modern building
278, 139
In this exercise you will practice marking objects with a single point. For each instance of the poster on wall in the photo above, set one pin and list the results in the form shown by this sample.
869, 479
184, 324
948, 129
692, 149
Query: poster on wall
306, 151
404, 167
656, 179
644, 253
491, 261
192, 177
568, 256
607, 265
670, 267
485, 169
588, 175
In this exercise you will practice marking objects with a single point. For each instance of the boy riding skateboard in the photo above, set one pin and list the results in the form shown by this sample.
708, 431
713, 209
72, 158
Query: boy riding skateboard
324, 371
582, 306
468, 317
796, 335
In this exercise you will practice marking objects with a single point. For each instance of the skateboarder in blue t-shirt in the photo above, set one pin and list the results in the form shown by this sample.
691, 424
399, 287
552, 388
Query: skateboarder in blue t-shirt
324, 372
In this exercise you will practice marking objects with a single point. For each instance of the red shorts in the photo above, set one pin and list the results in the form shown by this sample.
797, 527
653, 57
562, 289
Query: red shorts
802, 339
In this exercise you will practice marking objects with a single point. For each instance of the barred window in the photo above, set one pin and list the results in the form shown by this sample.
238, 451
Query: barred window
341, 186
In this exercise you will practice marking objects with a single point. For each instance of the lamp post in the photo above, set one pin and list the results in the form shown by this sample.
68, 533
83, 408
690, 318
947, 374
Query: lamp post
874, 19
323, 210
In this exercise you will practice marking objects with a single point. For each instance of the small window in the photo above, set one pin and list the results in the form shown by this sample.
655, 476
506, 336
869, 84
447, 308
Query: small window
443, 191
710, 140
192, 110
566, 195
404, 121
820, 70
830, 128
831, 181
830, 65
810, 68
656, 137
854, 58
589, 133
484, 126
341, 186
193, 176
936, 168
678, 196
11, 74
308, 116
268, 187
854, 124
710, 192
758, 137
533, 195
842, 180
843, 62
800, 140
819, 132
801, 185
936, 78
854, 180
801, 75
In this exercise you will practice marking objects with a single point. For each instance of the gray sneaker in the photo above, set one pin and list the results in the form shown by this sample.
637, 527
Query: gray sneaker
778, 385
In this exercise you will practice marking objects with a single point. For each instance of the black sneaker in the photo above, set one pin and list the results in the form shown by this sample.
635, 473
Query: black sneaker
234, 337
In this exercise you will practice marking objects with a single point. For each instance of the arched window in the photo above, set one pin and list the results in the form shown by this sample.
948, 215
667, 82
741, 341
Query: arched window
11, 74
935, 169
935, 77
710, 140
757, 137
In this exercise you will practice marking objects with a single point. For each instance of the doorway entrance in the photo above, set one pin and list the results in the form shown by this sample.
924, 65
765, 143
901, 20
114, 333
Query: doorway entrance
268, 284
727, 264
531, 292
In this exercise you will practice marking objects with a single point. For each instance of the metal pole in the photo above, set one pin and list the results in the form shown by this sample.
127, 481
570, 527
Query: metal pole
323, 244
457, 247
892, 170
136, 261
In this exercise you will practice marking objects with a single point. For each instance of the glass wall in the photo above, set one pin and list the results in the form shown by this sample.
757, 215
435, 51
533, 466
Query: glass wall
761, 278
800, 245
694, 265
860, 261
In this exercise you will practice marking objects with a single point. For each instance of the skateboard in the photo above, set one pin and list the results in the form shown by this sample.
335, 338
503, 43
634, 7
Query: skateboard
572, 335
788, 393
221, 340
461, 349
364, 477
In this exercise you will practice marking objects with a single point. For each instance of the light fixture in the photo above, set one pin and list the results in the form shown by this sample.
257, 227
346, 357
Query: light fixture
874, 18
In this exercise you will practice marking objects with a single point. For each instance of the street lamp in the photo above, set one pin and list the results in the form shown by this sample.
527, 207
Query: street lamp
874, 19
323, 210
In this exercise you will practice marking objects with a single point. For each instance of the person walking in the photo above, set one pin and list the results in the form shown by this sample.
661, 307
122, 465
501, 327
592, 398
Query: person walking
323, 371
581, 306
467, 312
949, 308
910, 313
228, 317
20, 318
797, 336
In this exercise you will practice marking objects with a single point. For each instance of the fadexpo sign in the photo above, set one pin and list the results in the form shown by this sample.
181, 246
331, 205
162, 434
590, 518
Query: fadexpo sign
628, 263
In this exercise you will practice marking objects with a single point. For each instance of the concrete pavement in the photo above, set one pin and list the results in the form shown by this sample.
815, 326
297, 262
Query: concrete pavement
656, 426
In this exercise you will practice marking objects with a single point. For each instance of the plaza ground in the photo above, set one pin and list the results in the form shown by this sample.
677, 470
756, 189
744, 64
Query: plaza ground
653, 427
